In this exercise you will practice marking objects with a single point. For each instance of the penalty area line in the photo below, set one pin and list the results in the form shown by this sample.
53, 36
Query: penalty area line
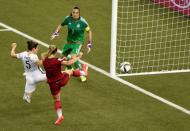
2, 30
171, 104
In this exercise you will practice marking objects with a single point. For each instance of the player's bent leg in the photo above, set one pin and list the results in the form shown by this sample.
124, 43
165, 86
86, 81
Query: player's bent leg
66, 51
40, 77
30, 87
85, 70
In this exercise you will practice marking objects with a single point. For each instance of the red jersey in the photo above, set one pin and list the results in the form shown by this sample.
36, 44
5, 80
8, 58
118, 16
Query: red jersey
53, 69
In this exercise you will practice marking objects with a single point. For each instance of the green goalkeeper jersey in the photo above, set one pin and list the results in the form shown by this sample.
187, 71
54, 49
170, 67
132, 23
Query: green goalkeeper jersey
76, 29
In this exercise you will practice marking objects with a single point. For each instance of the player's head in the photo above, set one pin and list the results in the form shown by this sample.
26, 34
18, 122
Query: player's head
52, 50
32, 46
75, 13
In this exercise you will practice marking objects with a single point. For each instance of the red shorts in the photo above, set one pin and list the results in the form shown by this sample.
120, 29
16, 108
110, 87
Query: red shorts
55, 87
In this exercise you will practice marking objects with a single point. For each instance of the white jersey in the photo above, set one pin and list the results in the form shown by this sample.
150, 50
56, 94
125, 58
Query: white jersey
29, 61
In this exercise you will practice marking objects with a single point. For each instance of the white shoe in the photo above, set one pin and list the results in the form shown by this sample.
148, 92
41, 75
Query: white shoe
26, 98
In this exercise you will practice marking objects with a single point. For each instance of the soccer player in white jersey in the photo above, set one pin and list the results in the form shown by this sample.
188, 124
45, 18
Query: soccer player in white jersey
31, 64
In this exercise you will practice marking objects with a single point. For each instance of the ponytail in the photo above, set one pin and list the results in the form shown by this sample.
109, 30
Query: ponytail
51, 51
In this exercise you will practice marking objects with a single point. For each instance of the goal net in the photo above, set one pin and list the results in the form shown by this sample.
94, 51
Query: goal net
152, 35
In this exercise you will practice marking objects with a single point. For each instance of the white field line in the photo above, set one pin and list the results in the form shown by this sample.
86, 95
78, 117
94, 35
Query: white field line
1, 30
108, 74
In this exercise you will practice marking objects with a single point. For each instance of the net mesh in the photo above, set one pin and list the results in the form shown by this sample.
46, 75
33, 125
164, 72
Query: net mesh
151, 37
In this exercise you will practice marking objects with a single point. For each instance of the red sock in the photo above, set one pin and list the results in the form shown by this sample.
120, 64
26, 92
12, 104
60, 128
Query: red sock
76, 73
57, 105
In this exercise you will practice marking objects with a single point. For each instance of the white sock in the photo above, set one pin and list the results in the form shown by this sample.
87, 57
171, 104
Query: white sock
82, 73
59, 112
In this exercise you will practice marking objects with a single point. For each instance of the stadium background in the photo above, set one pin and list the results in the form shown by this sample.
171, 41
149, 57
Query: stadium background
99, 104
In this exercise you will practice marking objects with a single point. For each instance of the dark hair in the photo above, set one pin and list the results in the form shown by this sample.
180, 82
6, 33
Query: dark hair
32, 44
75, 7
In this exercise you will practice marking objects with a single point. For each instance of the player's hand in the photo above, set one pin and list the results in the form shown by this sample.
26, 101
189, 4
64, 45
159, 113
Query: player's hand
89, 46
80, 54
13, 45
55, 34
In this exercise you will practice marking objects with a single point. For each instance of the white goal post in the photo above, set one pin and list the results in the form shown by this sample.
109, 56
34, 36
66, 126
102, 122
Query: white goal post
152, 35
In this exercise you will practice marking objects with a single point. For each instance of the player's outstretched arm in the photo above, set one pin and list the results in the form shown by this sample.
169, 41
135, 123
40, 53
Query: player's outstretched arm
89, 45
13, 48
73, 60
56, 33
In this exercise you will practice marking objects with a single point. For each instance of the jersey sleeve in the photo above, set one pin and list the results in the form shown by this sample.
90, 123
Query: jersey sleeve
86, 25
20, 55
65, 21
35, 58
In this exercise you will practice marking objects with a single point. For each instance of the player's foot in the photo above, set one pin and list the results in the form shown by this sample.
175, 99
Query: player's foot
26, 98
83, 78
85, 69
59, 120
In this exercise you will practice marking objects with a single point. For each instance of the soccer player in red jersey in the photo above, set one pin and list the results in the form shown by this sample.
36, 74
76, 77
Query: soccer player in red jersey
57, 78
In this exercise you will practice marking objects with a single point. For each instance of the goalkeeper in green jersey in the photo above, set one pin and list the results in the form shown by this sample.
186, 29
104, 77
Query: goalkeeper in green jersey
77, 26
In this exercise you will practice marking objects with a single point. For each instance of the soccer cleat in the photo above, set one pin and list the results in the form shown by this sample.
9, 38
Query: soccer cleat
59, 120
85, 69
26, 98
83, 78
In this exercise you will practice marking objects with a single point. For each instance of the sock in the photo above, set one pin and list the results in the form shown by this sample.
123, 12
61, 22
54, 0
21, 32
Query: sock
57, 105
59, 112
82, 73
76, 73
58, 108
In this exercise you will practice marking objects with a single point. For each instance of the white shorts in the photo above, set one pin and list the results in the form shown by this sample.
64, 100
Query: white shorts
32, 78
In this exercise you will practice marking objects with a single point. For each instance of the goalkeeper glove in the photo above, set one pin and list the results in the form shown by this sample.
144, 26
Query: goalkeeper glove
54, 35
89, 45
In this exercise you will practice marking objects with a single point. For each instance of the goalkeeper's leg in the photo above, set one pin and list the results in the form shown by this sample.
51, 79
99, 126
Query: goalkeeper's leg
77, 65
68, 67
66, 51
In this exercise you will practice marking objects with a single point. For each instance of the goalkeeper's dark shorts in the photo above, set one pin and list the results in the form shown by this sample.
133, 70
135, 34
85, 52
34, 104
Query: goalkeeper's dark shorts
71, 49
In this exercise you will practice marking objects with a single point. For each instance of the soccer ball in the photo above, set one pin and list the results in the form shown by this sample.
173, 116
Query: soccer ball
125, 67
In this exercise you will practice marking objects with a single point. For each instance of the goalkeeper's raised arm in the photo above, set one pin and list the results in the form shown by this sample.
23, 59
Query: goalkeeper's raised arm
56, 33
89, 44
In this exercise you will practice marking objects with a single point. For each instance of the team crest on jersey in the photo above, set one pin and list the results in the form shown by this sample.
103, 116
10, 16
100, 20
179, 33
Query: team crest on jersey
78, 25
